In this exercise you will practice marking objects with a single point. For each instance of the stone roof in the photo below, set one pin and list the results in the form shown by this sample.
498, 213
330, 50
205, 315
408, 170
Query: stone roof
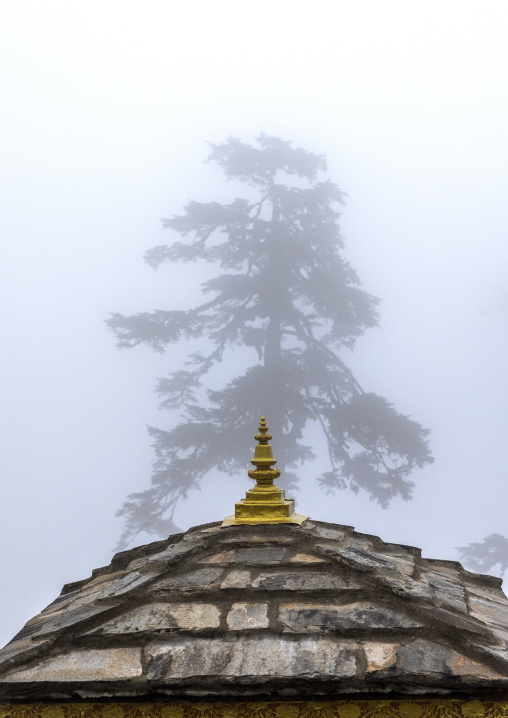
250, 611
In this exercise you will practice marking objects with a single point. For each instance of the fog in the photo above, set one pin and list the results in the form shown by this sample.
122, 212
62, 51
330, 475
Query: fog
107, 109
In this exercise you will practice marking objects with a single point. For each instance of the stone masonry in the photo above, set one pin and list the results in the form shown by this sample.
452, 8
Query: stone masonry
280, 611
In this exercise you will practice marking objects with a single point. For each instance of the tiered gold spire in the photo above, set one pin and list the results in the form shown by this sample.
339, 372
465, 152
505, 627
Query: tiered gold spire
265, 503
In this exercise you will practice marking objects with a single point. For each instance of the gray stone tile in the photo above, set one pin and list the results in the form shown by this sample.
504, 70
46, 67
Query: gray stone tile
237, 578
380, 656
247, 615
259, 556
113, 664
193, 581
161, 617
447, 588
360, 556
429, 659
304, 581
314, 617
250, 660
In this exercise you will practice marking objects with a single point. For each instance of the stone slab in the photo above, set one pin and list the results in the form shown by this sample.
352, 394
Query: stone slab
250, 660
447, 588
261, 556
314, 617
113, 664
304, 581
428, 659
162, 617
380, 656
191, 581
237, 578
247, 615
306, 558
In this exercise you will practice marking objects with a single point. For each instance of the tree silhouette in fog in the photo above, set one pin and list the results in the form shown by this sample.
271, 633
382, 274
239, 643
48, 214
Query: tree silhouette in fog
489, 554
285, 304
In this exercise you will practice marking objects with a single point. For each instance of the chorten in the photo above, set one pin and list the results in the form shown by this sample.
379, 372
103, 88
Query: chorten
267, 614
265, 503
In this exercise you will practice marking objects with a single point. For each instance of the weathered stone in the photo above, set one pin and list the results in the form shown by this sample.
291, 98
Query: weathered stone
457, 621
250, 660
304, 581
447, 588
313, 617
126, 584
325, 533
23, 647
380, 656
64, 619
405, 586
199, 532
489, 611
237, 578
171, 554
113, 664
162, 617
363, 558
259, 539
306, 558
486, 591
70, 602
192, 581
243, 616
426, 658
248, 556
265, 615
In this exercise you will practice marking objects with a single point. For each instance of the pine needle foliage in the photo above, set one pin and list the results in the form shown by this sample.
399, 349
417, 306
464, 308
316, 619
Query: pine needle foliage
282, 288
488, 556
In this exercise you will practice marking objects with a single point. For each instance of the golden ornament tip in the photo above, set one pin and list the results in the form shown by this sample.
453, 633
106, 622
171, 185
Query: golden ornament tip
264, 503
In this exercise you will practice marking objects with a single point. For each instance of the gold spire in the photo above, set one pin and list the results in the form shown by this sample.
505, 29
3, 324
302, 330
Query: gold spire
265, 503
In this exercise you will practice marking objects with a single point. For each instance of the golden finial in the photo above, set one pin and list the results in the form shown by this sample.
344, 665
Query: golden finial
264, 503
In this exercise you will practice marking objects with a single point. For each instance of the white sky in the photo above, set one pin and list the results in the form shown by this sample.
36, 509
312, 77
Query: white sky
106, 108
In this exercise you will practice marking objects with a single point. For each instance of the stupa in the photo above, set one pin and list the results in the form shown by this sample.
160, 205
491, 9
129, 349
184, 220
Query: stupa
266, 614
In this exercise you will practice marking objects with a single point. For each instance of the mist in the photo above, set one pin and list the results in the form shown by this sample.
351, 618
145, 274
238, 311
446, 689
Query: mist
106, 114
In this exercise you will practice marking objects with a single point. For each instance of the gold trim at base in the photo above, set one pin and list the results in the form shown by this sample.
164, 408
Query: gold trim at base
409, 708
293, 519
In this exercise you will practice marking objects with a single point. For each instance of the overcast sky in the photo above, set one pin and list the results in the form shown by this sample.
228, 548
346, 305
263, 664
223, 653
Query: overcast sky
106, 109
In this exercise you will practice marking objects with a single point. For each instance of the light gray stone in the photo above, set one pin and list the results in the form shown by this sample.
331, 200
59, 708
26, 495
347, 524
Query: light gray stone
380, 656
250, 659
82, 597
237, 578
112, 664
426, 658
244, 616
491, 612
446, 586
306, 558
315, 617
192, 581
64, 619
359, 555
457, 621
304, 581
171, 555
15, 649
250, 540
325, 533
405, 586
259, 556
487, 592
161, 617
127, 583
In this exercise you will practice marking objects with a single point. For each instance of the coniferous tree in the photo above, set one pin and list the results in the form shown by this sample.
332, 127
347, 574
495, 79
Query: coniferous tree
486, 556
282, 289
